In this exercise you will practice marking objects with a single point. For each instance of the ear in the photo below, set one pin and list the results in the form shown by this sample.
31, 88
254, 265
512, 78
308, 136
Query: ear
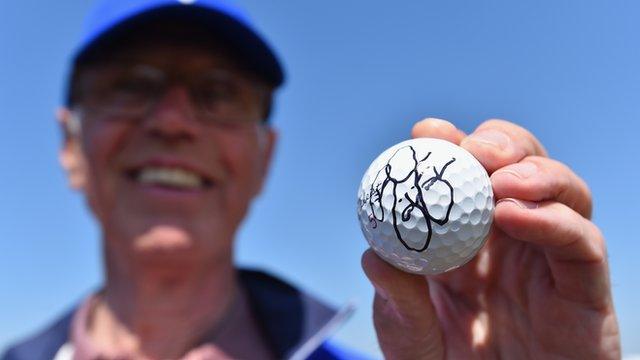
70, 155
268, 139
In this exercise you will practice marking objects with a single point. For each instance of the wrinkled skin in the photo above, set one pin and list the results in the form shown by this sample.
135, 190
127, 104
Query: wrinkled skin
538, 289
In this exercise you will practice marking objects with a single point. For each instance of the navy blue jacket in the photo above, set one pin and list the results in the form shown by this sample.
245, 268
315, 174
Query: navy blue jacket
286, 317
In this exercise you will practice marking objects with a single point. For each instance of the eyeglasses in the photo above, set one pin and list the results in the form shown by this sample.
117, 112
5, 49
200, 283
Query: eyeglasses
130, 92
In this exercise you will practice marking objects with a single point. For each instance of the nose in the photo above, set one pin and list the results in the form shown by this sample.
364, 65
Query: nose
172, 119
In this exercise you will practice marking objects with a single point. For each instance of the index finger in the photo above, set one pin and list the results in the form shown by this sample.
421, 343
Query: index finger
498, 143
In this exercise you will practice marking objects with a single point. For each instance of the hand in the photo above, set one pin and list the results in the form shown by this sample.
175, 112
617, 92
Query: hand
538, 289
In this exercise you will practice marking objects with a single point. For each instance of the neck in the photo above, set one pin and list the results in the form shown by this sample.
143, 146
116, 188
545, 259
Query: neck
161, 308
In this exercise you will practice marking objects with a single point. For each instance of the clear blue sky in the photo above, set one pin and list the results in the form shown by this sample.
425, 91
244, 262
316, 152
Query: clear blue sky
360, 74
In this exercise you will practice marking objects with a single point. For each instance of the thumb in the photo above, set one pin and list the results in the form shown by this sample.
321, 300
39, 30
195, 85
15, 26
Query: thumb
403, 315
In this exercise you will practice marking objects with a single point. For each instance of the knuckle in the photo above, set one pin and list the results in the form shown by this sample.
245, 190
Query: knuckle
594, 235
565, 223
588, 211
563, 184
544, 165
528, 142
495, 124
573, 188
597, 234
509, 127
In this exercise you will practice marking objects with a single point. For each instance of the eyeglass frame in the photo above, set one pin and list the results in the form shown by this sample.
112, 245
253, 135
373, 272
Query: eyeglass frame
85, 96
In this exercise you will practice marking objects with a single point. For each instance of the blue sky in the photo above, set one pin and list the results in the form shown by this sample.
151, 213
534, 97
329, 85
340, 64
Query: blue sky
360, 74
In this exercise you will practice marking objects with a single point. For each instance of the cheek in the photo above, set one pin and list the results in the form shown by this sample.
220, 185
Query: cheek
240, 154
100, 145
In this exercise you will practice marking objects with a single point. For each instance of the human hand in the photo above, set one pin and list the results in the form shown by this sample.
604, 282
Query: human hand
538, 289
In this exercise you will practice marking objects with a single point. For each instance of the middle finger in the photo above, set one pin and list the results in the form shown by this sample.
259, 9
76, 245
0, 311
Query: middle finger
538, 179
497, 143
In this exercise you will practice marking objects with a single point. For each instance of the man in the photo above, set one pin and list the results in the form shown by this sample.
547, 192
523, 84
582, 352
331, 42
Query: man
166, 134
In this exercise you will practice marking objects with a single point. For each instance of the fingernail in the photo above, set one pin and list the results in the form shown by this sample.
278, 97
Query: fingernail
520, 203
521, 170
490, 137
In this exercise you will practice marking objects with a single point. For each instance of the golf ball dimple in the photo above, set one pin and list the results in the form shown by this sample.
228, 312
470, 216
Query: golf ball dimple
425, 206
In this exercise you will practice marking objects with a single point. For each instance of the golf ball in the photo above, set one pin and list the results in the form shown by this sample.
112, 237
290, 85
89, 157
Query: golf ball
426, 206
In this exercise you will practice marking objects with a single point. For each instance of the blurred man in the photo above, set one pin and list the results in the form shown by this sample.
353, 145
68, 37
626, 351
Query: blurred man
166, 133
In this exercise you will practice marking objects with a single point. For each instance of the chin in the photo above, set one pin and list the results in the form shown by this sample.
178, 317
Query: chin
164, 239
159, 239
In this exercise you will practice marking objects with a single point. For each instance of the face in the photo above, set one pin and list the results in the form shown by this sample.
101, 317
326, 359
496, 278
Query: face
171, 149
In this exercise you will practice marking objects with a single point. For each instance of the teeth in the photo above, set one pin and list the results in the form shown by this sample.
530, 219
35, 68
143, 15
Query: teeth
173, 177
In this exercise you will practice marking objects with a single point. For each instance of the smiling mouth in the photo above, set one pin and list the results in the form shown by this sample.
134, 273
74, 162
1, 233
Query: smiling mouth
169, 177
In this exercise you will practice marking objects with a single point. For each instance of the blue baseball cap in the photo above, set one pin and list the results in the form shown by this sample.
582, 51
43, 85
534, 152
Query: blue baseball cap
223, 18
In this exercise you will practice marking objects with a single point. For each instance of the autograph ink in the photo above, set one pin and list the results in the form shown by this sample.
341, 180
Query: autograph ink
413, 202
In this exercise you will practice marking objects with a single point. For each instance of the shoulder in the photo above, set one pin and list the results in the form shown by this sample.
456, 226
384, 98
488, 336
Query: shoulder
44, 344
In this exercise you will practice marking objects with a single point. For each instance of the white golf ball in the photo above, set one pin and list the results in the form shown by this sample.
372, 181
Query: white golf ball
426, 206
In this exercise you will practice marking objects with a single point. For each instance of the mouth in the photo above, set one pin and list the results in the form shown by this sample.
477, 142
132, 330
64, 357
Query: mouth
170, 177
